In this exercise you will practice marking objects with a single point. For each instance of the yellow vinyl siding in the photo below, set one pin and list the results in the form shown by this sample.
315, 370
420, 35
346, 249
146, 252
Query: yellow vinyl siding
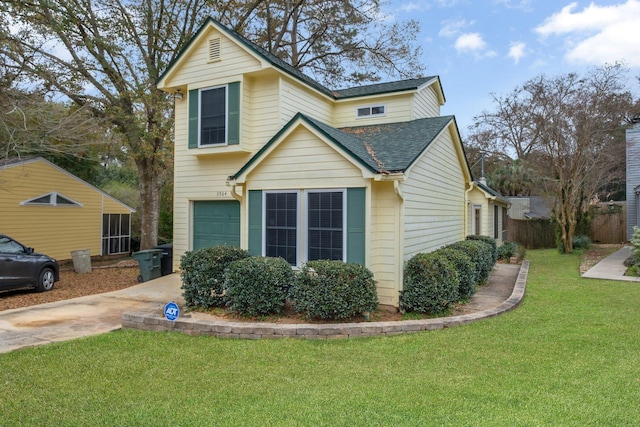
302, 161
199, 179
386, 242
54, 230
477, 197
260, 116
196, 71
398, 108
434, 199
426, 104
295, 98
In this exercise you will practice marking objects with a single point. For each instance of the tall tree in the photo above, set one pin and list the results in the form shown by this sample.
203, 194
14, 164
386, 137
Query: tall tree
568, 128
334, 41
106, 56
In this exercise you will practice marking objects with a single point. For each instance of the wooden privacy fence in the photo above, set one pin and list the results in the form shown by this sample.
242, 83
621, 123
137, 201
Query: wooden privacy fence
532, 233
608, 225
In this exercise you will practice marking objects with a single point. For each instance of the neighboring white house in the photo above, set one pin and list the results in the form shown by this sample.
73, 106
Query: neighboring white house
633, 178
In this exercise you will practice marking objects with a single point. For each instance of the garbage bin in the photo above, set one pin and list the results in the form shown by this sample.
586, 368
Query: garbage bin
81, 261
166, 263
149, 261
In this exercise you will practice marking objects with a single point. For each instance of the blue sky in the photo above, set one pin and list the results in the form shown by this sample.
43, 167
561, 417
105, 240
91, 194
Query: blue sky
491, 46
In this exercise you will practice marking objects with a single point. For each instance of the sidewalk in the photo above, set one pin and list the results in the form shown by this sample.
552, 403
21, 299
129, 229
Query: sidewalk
612, 267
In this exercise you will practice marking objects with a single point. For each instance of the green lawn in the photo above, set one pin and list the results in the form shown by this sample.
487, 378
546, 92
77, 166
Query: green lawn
570, 355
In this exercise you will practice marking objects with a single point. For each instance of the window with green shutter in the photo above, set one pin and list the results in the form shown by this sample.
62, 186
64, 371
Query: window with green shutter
214, 116
307, 225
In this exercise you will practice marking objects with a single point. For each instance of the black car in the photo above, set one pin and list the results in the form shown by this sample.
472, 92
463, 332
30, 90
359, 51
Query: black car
21, 267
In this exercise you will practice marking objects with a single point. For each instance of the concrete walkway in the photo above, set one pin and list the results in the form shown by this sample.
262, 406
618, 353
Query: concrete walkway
144, 303
612, 267
84, 316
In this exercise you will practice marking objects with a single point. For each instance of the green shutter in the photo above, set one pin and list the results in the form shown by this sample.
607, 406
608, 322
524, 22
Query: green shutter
255, 222
233, 133
193, 118
356, 205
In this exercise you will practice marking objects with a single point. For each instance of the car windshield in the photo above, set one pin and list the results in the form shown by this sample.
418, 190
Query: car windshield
8, 246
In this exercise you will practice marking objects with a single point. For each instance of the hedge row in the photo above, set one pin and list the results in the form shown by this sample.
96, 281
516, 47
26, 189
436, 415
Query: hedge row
433, 282
226, 276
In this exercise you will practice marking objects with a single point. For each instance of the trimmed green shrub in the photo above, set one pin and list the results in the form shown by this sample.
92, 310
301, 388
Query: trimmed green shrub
578, 241
334, 290
202, 273
430, 284
258, 285
581, 242
466, 271
507, 250
490, 241
480, 254
520, 252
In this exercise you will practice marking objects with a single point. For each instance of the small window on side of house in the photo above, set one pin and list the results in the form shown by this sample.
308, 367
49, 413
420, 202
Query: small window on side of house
51, 199
371, 111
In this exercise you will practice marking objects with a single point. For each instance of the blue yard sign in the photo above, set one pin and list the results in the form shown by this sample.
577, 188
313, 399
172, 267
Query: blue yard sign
171, 311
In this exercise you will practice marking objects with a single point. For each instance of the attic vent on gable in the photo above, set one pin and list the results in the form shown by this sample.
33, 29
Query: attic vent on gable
50, 199
214, 49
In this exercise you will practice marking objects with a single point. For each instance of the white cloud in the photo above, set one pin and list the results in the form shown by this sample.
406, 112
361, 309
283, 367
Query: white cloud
419, 6
511, 4
453, 28
470, 42
597, 34
473, 43
517, 51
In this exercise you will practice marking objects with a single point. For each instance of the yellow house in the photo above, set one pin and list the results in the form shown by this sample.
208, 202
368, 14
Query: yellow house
46, 207
270, 160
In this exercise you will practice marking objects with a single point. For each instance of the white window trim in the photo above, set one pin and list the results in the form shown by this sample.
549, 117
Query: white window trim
344, 220
52, 196
302, 226
371, 107
298, 214
226, 116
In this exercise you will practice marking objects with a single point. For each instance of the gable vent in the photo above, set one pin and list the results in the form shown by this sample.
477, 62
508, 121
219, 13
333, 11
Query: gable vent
214, 49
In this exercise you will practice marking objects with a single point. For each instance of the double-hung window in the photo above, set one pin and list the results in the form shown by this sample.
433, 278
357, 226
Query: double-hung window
305, 226
325, 225
281, 226
213, 116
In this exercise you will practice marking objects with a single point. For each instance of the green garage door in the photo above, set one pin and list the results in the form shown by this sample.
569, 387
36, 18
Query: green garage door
216, 223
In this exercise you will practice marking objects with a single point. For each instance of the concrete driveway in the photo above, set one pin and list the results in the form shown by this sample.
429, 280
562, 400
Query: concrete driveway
79, 317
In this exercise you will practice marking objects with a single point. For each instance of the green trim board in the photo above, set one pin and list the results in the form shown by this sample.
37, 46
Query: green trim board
255, 222
356, 225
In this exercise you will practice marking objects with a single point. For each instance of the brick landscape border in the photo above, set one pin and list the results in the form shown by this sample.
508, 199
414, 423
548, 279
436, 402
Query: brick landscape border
259, 330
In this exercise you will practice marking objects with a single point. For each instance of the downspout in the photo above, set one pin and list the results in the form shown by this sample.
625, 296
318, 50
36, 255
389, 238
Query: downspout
466, 209
400, 248
234, 186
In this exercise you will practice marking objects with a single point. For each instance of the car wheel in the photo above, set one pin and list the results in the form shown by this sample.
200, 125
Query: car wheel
46, 279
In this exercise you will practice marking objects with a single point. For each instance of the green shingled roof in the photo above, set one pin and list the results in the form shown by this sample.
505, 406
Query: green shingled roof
385, 148
380, 88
